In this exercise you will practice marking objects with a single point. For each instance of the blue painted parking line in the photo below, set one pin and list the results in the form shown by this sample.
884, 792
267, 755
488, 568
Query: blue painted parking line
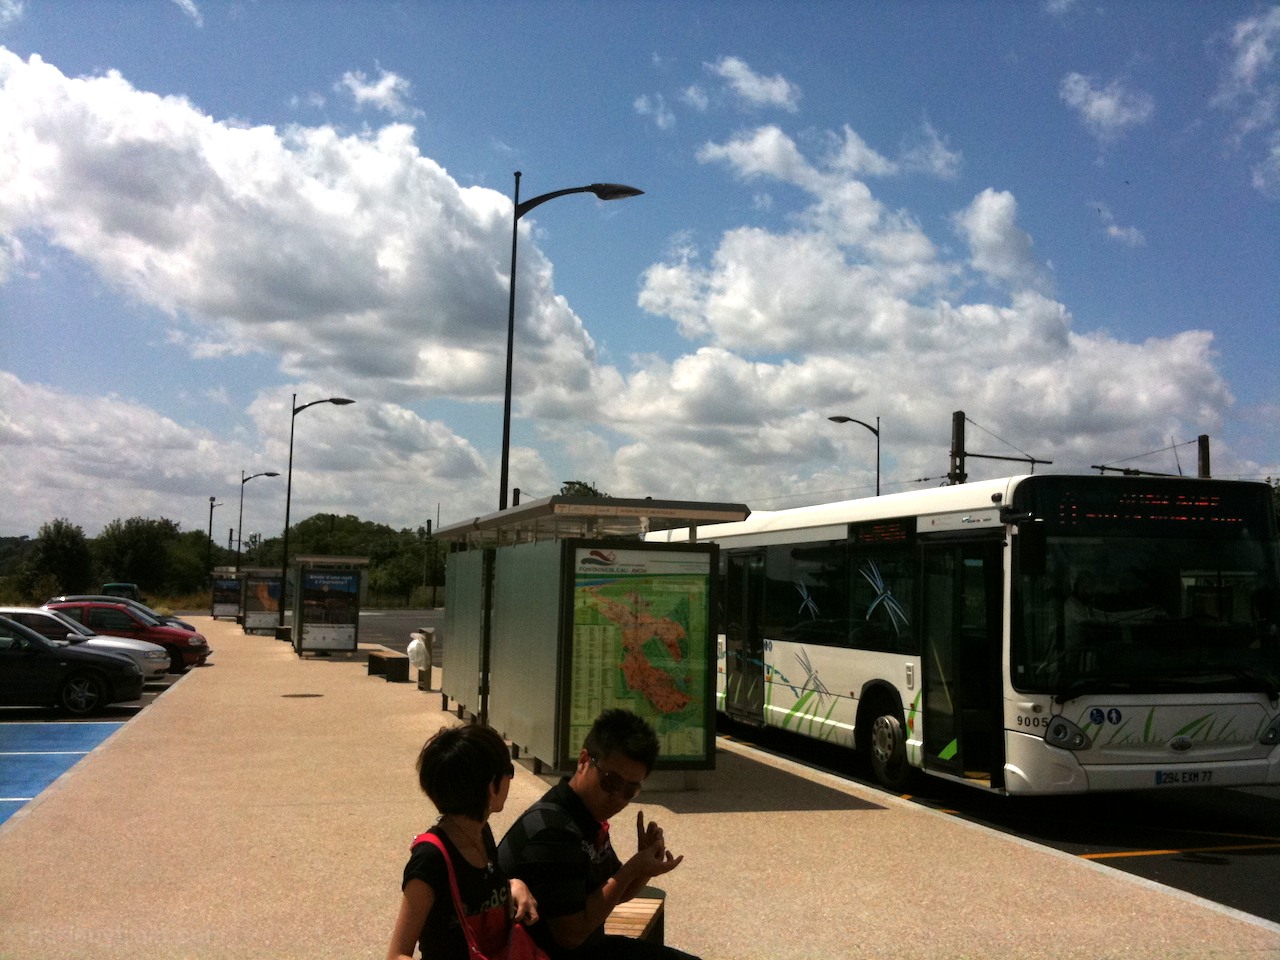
33, 755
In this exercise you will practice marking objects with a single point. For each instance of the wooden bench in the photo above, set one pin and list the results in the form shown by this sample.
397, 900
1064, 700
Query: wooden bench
389, 664
640, 917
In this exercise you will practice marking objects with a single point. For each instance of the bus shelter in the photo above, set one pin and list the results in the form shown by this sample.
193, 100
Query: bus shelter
226, 593
259, 599
558, 609
326, 603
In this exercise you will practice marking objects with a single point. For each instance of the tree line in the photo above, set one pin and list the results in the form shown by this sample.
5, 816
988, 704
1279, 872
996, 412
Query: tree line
404, 565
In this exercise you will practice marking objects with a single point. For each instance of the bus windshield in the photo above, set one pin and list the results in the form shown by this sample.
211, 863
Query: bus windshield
1118, 598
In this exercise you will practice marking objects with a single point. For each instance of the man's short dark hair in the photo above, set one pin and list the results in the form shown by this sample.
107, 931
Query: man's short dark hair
458, 764
621, 731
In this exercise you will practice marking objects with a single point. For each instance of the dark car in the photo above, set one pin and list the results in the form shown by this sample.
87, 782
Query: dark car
135, 604
36, 672
118, 619
129, 590
152, 659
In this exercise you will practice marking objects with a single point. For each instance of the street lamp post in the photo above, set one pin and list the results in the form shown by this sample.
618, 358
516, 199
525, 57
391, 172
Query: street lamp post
603, 191
208, 563
240, 522
875, 430
288, 490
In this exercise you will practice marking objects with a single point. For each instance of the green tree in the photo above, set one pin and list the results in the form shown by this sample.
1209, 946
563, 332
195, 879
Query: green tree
137, 551
60, 561
580, 488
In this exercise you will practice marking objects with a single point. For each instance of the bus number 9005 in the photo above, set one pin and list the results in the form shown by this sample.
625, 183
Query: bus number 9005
1034, 722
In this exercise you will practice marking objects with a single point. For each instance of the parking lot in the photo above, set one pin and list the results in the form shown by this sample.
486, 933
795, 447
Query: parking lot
40, 744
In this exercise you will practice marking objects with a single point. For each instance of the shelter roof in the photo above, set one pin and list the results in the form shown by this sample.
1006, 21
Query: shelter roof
589, 518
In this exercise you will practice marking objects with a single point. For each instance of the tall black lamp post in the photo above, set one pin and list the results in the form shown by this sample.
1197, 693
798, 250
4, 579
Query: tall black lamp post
603, 191
288, 490
875, 430
240, 522
208, 563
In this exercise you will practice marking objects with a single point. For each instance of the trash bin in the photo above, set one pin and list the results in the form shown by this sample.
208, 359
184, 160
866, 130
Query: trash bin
420, 651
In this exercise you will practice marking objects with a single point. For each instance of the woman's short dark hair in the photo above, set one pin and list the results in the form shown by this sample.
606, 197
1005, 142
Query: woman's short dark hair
457, 766
621, 731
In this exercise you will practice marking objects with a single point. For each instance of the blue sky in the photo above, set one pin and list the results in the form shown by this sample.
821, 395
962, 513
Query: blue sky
1060, 218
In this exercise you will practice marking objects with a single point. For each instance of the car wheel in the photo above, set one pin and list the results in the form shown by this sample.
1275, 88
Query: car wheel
176, 663
82, 694
889, 751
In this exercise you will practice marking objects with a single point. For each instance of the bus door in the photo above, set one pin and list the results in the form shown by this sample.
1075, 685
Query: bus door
744, 646
963, 724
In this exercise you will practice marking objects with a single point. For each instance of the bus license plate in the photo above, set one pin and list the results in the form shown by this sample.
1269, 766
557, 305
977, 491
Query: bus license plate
1183, 778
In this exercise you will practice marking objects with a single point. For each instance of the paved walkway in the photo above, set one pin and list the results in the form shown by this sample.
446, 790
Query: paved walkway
263, 807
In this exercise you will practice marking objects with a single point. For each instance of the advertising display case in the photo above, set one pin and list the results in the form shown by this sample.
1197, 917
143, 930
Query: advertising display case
582, 614
326, 603
226, 596
259, 599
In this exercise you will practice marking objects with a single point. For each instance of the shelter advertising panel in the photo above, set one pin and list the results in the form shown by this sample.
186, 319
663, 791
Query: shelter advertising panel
641, 640
330, 608
226, 597
261, 602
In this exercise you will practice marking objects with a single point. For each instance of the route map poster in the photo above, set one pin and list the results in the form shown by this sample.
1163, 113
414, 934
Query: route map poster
641, 641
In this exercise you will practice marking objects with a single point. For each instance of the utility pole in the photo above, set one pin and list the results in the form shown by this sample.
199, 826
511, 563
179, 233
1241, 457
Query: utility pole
956, 474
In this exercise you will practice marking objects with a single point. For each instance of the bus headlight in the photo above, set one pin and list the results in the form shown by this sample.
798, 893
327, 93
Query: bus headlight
1061, 732
1271, 736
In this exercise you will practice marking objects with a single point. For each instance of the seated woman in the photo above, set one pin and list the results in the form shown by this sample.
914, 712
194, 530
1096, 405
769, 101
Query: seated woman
466, 772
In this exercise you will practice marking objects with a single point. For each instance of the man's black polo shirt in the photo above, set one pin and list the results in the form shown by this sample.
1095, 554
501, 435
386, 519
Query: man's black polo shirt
563, 853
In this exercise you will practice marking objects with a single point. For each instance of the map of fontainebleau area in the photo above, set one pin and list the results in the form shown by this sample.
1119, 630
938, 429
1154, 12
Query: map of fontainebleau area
640, 642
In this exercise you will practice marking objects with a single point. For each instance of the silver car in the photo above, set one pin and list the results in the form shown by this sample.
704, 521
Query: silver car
151, 658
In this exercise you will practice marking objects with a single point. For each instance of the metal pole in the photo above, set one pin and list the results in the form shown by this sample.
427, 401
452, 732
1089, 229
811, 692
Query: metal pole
877, 456
511, 339
603, 191
288, 495
240, 522
208, 565
875, 430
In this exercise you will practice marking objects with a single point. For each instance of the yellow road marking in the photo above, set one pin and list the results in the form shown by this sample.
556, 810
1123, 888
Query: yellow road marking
1168, 853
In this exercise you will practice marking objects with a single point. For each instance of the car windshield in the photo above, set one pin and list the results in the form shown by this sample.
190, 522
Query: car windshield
73, 626
149, 619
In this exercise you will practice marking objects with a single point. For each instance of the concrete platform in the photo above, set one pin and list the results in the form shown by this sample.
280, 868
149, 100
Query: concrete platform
264, 805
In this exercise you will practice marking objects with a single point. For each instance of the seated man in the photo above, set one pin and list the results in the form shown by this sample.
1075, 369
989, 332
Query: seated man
560, 846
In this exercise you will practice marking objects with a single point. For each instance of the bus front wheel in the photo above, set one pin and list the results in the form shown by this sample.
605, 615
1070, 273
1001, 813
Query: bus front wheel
889, 751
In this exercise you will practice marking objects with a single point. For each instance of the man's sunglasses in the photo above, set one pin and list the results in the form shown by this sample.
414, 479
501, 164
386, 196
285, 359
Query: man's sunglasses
614, 783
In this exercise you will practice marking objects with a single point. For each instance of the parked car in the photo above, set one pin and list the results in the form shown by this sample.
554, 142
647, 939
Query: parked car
136, 604
151, 658
129, 590
36, 672
118, 619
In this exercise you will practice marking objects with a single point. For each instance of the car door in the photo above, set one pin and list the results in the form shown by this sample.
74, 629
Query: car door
115, 622
27, 672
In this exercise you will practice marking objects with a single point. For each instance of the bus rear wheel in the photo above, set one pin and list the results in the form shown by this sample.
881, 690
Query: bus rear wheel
889, 751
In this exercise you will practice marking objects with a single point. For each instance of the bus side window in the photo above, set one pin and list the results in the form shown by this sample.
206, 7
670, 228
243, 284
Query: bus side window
882, 588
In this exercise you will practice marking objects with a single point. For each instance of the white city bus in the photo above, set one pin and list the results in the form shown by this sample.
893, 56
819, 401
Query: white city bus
1031, 635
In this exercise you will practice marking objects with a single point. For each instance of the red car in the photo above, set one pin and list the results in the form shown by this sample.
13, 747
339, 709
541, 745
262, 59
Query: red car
186, 648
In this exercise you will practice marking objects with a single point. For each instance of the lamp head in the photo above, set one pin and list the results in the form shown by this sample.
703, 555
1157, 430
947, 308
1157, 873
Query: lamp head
613, 191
